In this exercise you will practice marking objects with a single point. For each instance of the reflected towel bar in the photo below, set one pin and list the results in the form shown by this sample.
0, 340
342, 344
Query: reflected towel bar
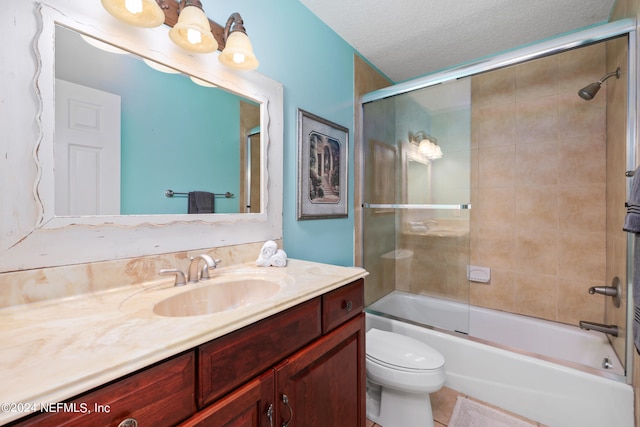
413, 206
171, 193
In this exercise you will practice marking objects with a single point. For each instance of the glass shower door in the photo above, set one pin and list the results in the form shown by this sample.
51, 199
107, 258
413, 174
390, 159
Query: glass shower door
417, 174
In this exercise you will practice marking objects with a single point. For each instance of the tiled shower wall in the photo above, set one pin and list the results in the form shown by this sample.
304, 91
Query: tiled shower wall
539, 187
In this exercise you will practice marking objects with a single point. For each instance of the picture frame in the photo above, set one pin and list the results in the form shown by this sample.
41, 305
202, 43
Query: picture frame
323, 148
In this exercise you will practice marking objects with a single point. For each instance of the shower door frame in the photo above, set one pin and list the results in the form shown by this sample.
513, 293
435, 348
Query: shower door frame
535, 51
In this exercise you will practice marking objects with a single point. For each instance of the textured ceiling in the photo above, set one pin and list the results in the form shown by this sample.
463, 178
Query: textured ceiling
405, 39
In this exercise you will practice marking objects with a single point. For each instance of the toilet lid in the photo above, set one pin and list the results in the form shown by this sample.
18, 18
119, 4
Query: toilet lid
393, 349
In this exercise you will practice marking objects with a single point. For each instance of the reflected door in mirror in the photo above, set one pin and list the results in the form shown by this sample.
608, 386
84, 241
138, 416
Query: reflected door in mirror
86, 150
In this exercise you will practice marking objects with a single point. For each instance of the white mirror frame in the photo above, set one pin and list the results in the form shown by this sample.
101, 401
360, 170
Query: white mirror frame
55, 241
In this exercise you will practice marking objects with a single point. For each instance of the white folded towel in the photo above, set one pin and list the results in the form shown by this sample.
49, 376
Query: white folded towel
270, 255
279, 259
269, 249
263, 262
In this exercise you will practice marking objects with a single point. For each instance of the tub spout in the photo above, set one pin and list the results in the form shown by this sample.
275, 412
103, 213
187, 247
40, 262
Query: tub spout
605, 329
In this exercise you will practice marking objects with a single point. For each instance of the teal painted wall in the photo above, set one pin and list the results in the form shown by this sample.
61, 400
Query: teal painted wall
315, 66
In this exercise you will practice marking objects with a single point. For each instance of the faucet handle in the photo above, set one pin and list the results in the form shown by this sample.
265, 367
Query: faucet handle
179, 279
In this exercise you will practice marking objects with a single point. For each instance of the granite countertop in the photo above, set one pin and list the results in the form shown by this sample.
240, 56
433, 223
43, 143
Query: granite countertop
54, 350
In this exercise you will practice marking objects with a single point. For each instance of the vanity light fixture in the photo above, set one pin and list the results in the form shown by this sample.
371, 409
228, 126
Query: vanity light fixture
191, 29
140, 13
427, 144
238, 52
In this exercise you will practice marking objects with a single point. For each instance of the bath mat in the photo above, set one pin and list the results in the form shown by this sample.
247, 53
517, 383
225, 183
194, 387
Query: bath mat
468, 413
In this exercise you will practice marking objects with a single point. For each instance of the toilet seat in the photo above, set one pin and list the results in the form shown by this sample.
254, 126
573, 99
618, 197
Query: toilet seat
402, 353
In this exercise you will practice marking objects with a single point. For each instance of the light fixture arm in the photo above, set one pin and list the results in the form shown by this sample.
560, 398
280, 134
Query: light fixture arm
238, 25
185, 3
421, 135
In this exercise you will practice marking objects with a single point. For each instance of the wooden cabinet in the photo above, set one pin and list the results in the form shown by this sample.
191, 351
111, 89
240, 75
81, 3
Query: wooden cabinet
162, 395
304, 367
324, 384
251, 405
342, 304
233, 359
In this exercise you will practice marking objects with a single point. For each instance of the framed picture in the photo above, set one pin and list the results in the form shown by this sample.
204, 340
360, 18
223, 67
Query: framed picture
322, 168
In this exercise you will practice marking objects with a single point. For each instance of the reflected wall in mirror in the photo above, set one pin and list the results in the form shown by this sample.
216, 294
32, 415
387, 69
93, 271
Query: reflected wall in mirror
126, 132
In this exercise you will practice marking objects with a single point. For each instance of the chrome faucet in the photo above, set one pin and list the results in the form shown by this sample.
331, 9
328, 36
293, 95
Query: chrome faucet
210, 264
179, 280
605, 329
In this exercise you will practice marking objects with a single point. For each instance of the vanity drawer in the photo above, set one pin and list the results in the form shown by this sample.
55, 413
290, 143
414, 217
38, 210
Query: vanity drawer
342, 304
162, 395
232, 360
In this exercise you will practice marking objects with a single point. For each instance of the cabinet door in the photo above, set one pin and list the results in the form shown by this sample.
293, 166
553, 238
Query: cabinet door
232, 360
249, 406
162, 395
324, 384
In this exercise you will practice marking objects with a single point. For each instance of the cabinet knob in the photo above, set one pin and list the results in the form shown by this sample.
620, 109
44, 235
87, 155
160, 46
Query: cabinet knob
347, 306
129, 422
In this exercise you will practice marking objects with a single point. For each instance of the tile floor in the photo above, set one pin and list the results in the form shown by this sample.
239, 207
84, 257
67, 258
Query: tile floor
442, 403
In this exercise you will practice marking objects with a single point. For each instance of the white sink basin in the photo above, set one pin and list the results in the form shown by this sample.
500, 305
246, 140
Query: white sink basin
216, 297
226, 291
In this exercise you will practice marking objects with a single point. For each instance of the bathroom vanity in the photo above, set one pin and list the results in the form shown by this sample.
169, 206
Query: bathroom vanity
78, 349
296, 360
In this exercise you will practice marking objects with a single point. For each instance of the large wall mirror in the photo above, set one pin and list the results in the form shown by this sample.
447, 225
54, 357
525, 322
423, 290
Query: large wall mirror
194, 126
134, 137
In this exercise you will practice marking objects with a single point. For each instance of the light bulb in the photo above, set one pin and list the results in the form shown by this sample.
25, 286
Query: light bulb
133, 6
239, 58
194, 36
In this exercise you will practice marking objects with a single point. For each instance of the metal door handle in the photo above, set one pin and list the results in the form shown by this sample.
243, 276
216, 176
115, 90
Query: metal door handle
270, 414
285, 400
128, 422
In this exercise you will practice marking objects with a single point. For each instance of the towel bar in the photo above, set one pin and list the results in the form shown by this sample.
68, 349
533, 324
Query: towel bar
171, 193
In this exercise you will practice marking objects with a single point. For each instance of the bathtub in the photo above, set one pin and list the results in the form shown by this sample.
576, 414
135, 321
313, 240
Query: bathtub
548, 372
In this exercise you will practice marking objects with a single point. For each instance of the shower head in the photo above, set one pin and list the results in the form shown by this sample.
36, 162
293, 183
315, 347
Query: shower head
589, 92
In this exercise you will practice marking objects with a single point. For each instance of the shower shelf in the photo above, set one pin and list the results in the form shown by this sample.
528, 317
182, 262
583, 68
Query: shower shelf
413, 206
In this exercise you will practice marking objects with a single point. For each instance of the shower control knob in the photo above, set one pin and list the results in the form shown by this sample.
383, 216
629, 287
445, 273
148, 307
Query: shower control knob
614, 291
608, 291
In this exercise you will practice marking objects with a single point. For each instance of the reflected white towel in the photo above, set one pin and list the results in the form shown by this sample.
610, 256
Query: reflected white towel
279, 259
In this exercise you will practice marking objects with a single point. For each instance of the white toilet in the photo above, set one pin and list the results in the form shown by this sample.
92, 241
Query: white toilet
401, 372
